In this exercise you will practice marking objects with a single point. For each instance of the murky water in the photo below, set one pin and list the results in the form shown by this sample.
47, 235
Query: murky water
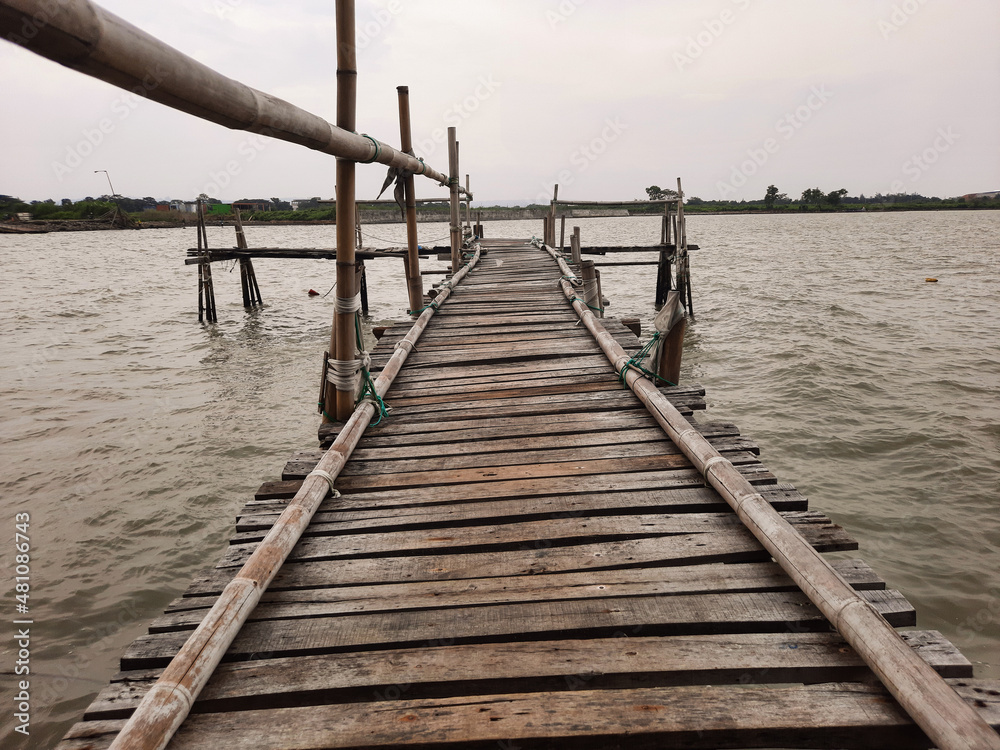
132, 434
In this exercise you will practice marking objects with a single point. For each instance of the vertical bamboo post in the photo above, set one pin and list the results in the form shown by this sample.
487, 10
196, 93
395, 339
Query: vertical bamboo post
468, 205
456, 228
562, 233
246, 265
340, 400
590, 293
362, 281
682, 247
414, 283
550, 238
577, 257
358, 239
479, 224
600, 293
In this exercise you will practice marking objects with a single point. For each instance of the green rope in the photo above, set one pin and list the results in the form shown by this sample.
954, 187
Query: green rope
378, 149
367, 384
577, 299
635, 362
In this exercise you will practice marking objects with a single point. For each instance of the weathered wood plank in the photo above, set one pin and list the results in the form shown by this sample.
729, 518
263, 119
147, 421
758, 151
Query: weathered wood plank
581, 618
446, 671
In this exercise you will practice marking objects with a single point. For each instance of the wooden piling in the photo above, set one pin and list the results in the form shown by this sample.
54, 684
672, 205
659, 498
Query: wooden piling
575, 246
562, 233
671, 324
591, 293
414, 283
248, 278
342, 336
550, 238
468, 205
456, 227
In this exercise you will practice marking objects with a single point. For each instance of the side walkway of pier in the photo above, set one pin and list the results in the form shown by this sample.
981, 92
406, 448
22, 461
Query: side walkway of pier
520, 558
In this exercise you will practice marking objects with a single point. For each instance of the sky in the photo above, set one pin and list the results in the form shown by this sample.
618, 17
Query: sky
603, 97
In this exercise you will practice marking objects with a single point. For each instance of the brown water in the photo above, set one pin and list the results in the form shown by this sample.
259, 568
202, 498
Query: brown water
132, 434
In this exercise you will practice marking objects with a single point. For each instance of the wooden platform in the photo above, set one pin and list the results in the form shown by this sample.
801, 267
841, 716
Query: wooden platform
521, 559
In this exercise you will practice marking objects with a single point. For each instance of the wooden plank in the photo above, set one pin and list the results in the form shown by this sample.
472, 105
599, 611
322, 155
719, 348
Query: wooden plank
583, 618
704, 500
579, 468
445, 671
827, 715
766, 576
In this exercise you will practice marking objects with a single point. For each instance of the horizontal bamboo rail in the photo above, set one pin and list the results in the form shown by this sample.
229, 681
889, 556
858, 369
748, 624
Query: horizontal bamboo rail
936, 708
83, 36
169, 701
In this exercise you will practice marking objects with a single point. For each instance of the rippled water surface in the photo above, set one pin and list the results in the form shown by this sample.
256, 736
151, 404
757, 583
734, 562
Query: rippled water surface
132, 434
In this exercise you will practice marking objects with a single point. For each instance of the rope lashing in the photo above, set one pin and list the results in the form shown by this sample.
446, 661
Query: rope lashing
635, 363
368, 391
404, 344
329, 480
347, 305
343, 375
378, 149
423, 167
584, 302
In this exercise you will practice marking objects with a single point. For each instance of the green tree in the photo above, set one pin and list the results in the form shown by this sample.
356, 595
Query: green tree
833, 198
655, 193
812, 197
773, 196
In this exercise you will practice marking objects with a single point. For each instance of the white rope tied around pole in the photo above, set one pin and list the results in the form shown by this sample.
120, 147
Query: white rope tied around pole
347, 305
404, 344
329, 480
344, 375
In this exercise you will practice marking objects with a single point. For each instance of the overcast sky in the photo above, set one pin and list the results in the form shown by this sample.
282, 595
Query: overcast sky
604, 97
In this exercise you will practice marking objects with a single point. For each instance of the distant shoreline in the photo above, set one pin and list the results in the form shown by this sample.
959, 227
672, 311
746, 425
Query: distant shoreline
43, 226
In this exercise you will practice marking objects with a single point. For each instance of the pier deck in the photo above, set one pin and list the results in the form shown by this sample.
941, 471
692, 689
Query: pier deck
521, 558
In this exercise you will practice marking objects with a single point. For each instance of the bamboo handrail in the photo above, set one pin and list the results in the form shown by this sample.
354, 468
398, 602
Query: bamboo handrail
950, 722
168, 702
85, 37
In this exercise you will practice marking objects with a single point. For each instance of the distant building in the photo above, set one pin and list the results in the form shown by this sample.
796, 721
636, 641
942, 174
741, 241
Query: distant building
252, 205
162, 206
973, 196
185, 207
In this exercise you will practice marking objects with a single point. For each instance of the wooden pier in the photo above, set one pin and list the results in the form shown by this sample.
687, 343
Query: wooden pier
519, 557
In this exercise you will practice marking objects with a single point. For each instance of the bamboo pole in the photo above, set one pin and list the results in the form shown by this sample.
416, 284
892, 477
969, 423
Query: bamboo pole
550, 237
939, 711
562, 233
342, 340
575, 250
456, 220
591, 293
168, 702
468, 205
414, 282
85, 37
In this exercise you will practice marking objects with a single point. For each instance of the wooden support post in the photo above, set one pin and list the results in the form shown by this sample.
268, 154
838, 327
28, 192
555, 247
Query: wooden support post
456, 225
414, 283
358, 239
682, 250
248, 279
591, 294
468, 206
479, 224
340, 397
553, 208
562, 233
575, 246
671, 324
359, 266
600, 293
